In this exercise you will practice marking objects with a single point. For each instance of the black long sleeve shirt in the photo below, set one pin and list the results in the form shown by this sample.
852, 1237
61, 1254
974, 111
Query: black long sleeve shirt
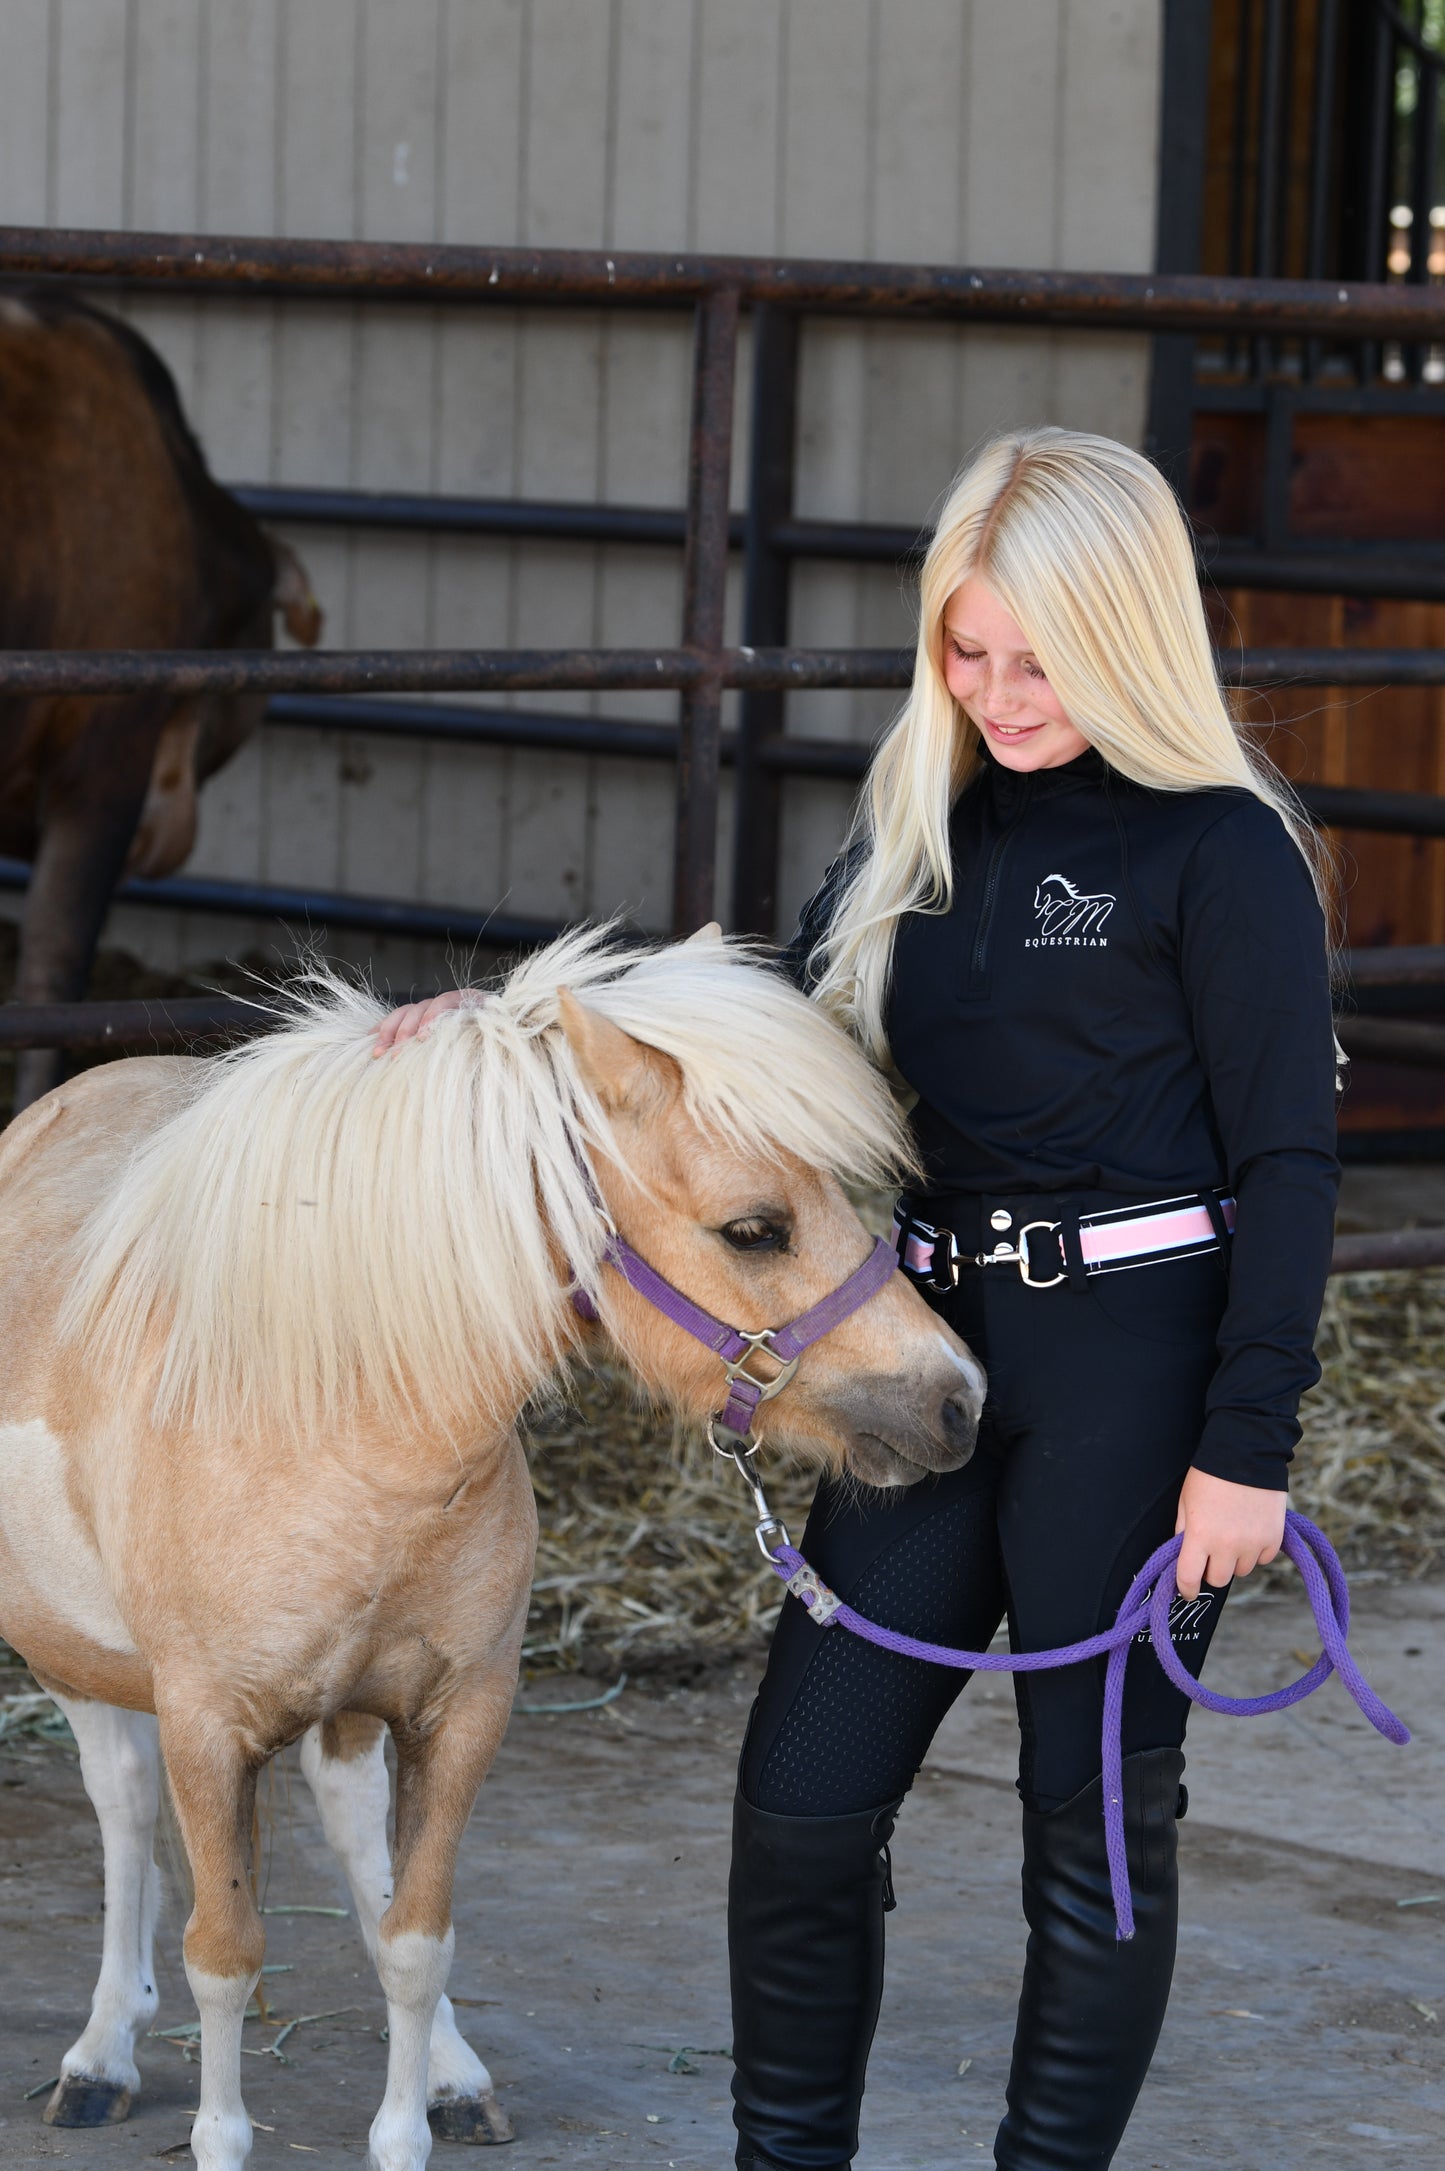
1130, 994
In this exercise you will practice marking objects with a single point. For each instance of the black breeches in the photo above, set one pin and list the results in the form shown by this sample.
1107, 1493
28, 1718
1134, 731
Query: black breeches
1094, 1410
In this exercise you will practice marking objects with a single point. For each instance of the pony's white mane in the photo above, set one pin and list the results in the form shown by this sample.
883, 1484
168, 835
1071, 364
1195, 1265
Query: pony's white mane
317, 1238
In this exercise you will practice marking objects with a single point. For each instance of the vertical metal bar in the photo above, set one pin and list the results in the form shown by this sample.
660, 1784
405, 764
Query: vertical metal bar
1272, 146
1284, 150
1322, 164
705, 566
1379, 175
1425, 151
757, 804
1184, 121
1239, 158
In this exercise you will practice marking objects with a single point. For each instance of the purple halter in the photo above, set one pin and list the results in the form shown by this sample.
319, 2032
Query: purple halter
737, 1346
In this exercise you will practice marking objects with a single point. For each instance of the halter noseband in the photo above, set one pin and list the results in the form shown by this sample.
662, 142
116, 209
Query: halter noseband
737, 1346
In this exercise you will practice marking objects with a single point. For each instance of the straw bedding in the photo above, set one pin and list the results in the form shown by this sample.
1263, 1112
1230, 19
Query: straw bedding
647, 1557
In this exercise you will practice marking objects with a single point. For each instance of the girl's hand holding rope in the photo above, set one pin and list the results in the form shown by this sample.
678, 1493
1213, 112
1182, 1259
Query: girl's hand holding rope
1228, 1530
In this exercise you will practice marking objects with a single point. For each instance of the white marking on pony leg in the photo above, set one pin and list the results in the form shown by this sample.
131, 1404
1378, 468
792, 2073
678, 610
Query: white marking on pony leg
413, 1969
353, 1795
45, 1533
221, 2135
120, 1764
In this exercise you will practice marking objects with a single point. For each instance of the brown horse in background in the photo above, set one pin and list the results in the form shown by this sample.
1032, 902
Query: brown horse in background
113, 534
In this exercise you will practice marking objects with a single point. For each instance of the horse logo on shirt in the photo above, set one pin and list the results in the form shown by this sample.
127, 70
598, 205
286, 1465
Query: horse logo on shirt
1067, 914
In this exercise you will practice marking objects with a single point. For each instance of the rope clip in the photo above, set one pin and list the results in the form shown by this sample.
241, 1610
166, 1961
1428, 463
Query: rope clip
732, 1449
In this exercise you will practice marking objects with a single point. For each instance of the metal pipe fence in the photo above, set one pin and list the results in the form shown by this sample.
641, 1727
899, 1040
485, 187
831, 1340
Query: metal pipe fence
715, 289
359, 690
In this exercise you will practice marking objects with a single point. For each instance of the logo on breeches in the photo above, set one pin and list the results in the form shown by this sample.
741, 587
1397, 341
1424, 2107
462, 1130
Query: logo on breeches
1188, 1619
1070, 915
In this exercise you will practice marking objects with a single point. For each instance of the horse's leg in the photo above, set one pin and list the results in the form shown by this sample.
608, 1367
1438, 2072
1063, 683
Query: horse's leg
213, 1784
84, 838
345, 1766
120, 1764
438, 1773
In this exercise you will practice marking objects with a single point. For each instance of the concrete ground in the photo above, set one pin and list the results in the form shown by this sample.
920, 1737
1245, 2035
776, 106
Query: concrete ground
1308, 2024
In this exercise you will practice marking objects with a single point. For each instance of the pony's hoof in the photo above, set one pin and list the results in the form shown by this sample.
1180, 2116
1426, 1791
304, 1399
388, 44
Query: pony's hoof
80, 2100
479, 2119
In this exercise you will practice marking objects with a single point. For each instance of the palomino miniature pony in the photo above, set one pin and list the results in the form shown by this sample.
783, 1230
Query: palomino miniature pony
266, 1325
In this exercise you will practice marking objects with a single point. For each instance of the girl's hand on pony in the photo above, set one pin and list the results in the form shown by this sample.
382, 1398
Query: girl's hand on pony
414, 1021
1228, 1530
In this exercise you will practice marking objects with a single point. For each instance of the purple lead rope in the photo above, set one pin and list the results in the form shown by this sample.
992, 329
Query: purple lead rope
1145, 1611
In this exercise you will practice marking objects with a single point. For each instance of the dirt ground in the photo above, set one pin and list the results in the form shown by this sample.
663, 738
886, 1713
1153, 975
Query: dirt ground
1308, 2024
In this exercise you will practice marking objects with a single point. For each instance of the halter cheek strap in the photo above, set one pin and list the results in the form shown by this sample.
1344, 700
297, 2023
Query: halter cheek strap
738, 1347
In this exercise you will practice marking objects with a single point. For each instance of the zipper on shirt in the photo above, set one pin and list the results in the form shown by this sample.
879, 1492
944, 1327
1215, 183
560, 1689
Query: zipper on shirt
978, 962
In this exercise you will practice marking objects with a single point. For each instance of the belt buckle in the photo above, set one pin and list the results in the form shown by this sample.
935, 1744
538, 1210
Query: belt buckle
1024, 1275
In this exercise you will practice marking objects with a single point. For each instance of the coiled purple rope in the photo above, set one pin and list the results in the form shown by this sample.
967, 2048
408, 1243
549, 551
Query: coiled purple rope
1145, 1610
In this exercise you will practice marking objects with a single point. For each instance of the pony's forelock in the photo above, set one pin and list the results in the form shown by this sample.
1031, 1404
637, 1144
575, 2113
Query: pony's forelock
317, 1238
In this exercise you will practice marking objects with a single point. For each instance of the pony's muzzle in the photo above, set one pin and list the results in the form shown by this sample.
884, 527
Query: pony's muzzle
959, 1423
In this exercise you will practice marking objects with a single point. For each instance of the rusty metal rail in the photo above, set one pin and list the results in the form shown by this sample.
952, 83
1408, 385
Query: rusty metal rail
159, 1022
689, 669
375, 271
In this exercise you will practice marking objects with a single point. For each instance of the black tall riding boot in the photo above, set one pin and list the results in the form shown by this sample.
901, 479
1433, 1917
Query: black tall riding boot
806, 1901
1092, 2007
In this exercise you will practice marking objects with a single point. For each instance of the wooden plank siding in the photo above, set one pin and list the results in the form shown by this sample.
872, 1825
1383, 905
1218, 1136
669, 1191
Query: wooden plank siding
991, 131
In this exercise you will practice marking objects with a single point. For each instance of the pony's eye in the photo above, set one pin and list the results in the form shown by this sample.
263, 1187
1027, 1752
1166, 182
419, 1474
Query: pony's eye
754, 1235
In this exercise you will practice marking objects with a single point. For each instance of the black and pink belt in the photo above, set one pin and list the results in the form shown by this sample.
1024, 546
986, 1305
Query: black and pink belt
1073, 1248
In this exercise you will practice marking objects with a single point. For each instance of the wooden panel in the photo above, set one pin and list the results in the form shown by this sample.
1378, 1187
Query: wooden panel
826, 92
239, 104
1226, 473
651, 189
400, 104
24, 112
916, 146
1393, 739
566, 163
481, 92
163, 185
736, 152
317, 117
1013, 98
1365, 479
1109, 61
88, 88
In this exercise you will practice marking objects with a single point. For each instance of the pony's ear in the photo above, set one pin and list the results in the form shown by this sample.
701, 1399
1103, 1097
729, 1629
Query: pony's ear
711, 933
622, 1072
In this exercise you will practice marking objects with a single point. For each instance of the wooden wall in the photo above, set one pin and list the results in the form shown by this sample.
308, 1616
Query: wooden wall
991, 131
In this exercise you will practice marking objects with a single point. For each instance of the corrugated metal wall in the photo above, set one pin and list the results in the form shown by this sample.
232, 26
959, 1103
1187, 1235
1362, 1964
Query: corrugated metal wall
987, 131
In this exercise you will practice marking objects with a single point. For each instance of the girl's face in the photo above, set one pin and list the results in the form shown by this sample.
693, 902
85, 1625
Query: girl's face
996, 680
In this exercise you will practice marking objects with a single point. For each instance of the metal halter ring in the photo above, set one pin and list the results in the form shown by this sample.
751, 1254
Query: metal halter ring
761, 1339
1019, 1256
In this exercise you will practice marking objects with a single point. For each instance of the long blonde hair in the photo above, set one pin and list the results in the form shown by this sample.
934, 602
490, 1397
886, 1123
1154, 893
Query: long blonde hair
1085, 545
